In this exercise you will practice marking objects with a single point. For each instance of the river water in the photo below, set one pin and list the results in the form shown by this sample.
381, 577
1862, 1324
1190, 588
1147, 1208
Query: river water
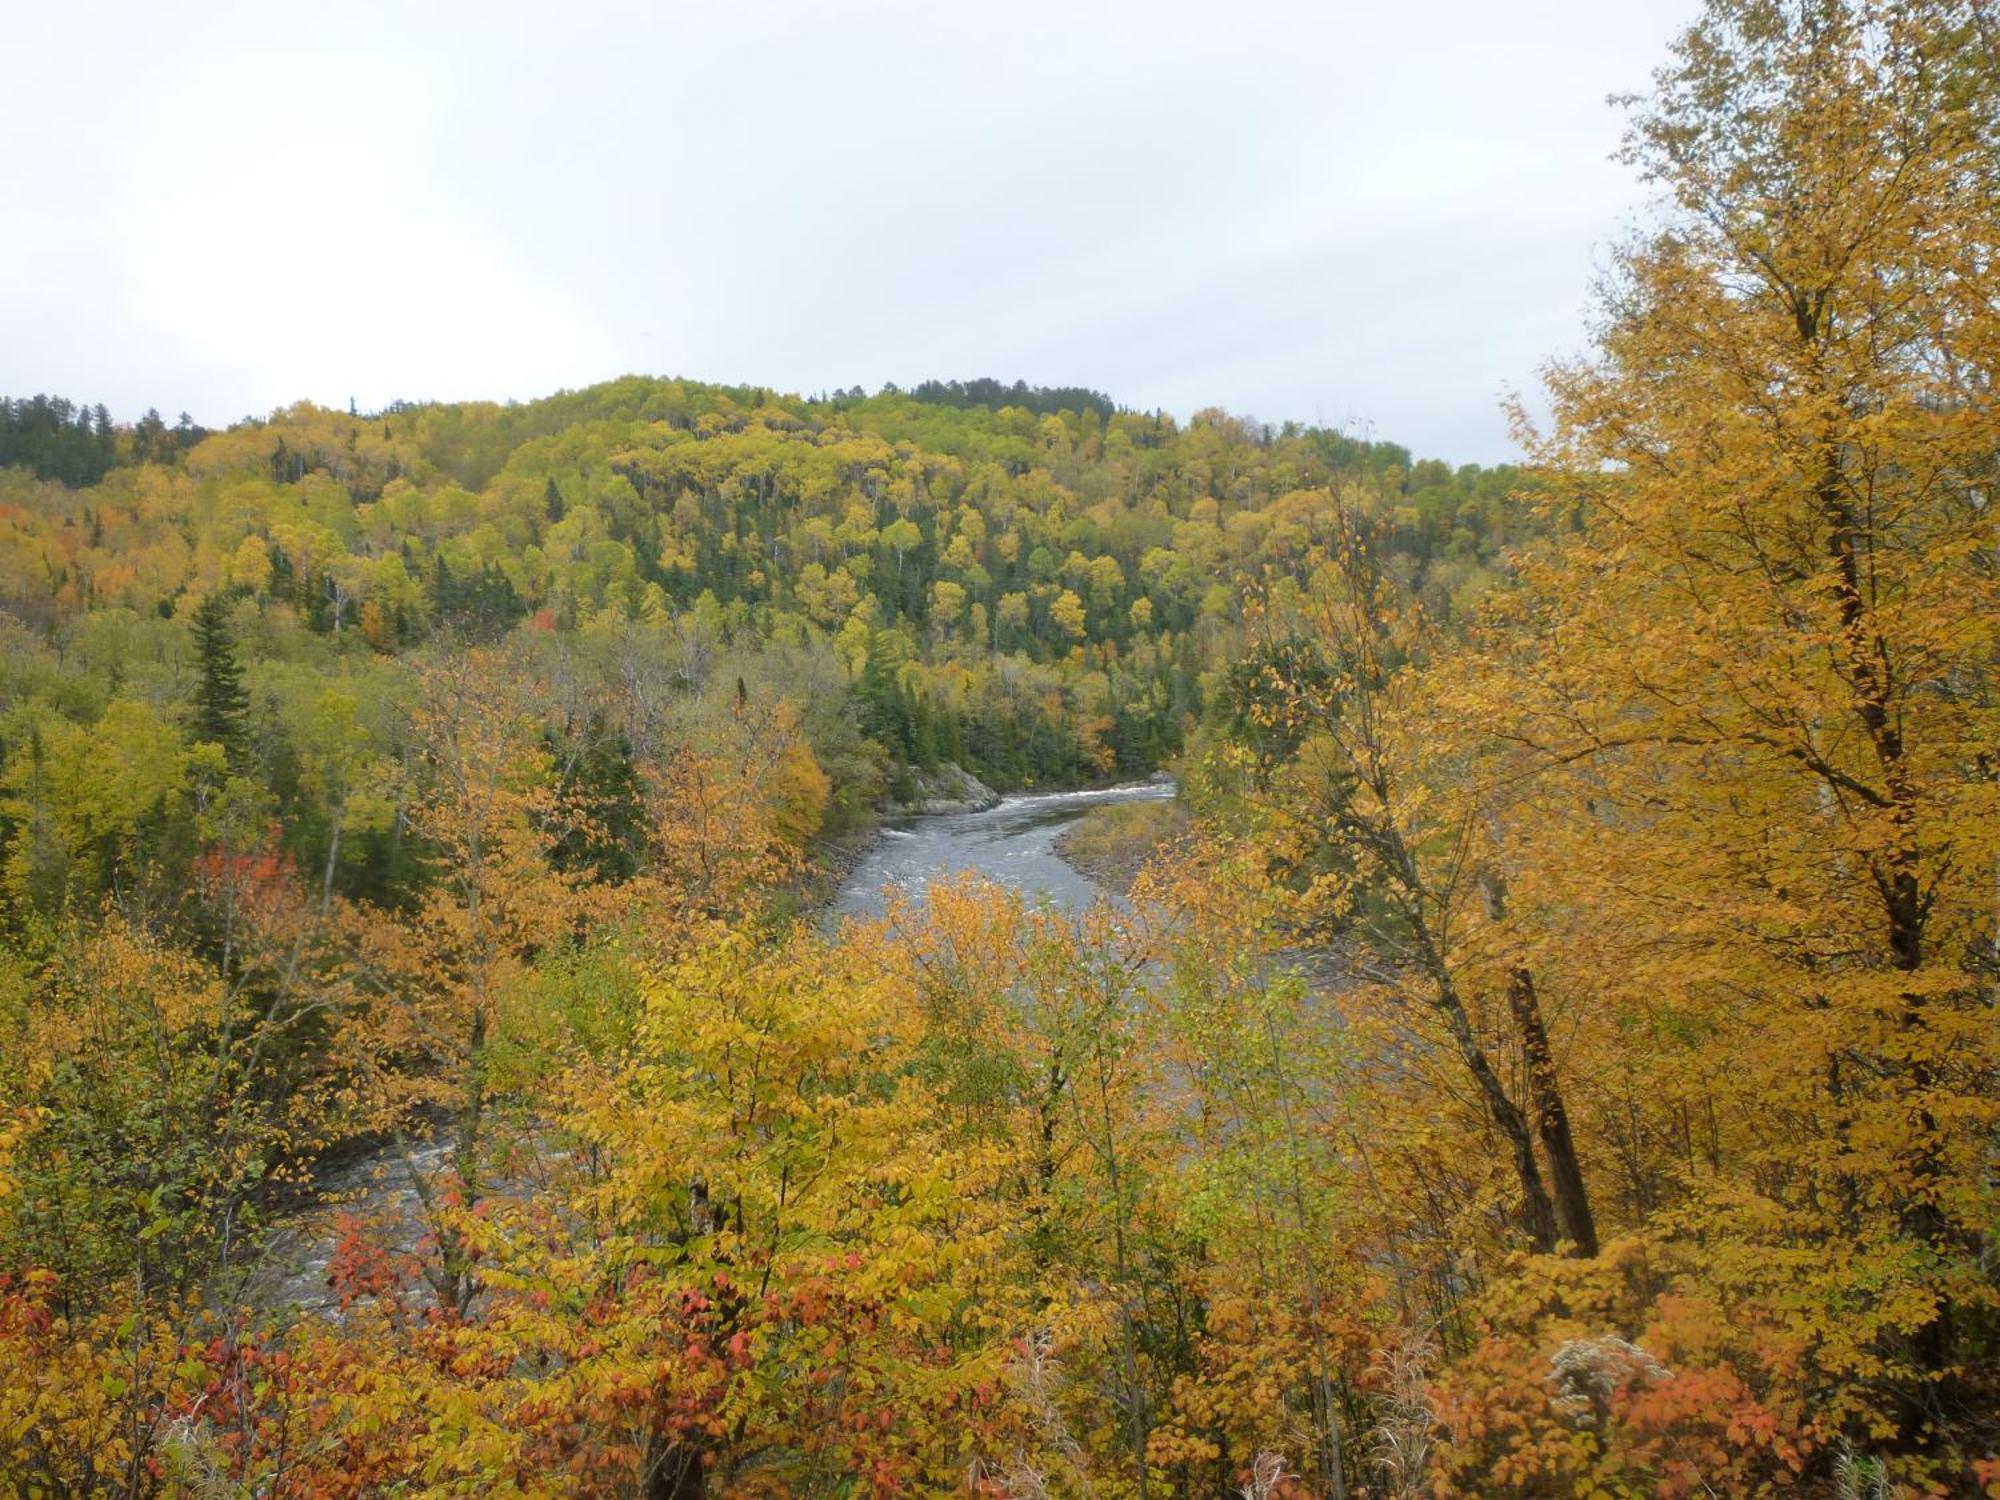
1010, 845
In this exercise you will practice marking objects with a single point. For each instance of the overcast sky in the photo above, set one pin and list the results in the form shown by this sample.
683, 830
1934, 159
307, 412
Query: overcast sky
1357, 213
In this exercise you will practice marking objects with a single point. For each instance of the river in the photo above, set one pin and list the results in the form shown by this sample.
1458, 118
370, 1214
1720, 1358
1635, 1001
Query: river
1011, 845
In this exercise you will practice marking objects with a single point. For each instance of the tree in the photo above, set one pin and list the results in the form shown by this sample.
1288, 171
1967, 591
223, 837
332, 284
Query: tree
492, 822
1753, 686
1067, 615
901, 536
772, 1214
1392, 843
947, 605
221, 704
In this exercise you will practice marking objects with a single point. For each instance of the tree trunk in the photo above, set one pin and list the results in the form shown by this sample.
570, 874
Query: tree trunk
674, 1471
1896, 873
1572, 1203
1537, 1213
458, 1284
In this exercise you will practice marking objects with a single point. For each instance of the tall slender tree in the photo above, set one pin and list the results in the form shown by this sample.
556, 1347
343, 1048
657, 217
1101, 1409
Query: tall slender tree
221, 703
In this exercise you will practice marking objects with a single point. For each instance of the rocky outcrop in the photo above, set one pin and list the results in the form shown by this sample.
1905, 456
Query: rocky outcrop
948, 789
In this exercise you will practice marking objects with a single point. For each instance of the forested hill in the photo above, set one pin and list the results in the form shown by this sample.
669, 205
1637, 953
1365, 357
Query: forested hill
1027, 581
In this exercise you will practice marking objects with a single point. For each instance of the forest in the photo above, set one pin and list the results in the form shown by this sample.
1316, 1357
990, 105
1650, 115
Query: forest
1551, 1050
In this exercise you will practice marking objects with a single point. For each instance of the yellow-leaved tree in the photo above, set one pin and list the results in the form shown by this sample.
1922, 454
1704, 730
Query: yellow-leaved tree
1750, 699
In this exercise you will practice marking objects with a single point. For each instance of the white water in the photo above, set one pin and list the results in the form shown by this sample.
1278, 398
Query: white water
1011, 845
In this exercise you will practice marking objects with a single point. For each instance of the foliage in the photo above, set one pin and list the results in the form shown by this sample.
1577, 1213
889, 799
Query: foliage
1549, 1048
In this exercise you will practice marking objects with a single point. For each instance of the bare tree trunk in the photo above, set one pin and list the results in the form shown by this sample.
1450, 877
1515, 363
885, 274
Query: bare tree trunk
1537, 1211
1552, 1118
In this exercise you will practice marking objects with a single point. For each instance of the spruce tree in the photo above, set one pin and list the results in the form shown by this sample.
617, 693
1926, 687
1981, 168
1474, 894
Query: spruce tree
221, 704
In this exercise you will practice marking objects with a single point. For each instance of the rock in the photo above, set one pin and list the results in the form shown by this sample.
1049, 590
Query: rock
949, 789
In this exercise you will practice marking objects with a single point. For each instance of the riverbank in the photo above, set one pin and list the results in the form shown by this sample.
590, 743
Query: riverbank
1112, 844
831, 863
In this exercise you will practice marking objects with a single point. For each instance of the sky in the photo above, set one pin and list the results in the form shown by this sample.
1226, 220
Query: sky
1382, 216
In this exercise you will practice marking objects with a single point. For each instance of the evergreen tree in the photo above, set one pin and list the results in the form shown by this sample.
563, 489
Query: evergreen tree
148, 438
221, 703
600, 782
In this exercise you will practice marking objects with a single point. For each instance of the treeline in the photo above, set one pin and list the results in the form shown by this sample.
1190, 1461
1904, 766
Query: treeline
995, 395
57, 439
77, 444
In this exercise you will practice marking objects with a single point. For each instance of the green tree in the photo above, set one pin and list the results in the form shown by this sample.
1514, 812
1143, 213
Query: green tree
221, 703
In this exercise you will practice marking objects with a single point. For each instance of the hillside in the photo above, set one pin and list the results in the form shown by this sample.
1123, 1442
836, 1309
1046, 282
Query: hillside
1037, 597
